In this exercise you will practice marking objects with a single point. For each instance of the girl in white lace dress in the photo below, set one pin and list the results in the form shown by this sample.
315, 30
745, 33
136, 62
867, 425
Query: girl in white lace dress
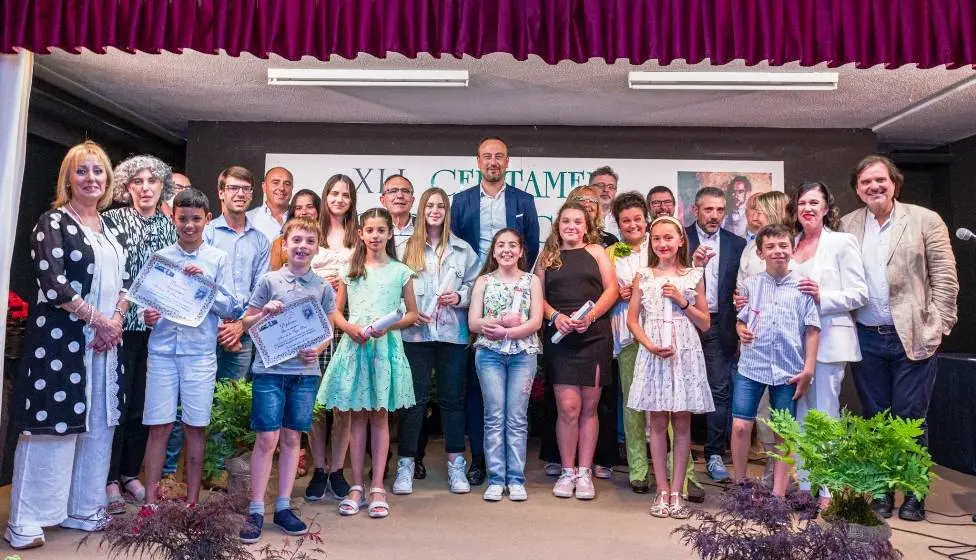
670, 382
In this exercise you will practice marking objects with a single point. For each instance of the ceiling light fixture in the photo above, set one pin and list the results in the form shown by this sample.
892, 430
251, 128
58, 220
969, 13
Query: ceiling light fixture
366, 78
734, 81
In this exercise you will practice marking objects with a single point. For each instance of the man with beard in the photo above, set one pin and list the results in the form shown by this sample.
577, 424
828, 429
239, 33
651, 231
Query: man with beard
476, 214
605, 179
270, 216
660, 201
736, 218
397, 198
719, 251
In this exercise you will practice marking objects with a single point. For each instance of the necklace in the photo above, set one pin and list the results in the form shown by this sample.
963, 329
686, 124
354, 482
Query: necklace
74, 214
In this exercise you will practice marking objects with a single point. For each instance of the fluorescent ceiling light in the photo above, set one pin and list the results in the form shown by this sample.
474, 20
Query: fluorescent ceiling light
792, 81
336, 78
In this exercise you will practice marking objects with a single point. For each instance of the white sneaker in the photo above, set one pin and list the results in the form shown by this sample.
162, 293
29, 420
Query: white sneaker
565, 485
456, 476
493, 493
602, 472
91, 524
23, 537
584, 484
404, 477
553, 469
517, 493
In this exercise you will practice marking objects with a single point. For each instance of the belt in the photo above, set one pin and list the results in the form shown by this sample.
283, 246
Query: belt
884, 330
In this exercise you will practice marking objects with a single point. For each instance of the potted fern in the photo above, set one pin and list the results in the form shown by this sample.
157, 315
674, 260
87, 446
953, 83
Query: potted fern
858, 459
229, 435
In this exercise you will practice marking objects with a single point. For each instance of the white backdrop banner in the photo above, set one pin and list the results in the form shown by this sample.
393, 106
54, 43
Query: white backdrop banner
549, 179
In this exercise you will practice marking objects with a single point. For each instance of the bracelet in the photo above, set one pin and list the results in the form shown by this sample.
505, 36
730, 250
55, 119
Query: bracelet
552, 318
506, 335
685, 306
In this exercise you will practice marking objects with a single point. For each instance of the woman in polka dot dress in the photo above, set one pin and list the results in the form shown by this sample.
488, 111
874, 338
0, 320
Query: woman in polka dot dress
66, 400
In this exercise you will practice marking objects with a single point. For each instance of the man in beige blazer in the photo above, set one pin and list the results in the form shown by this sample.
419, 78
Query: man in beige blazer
912, 287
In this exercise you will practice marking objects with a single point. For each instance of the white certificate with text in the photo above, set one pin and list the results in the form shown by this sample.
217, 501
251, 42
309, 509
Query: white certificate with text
301, 324
179, 297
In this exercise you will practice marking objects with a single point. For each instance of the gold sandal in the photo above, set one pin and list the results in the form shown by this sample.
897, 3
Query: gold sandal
678, 511
661, 508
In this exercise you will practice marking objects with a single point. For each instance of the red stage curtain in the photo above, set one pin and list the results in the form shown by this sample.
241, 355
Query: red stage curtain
865, 32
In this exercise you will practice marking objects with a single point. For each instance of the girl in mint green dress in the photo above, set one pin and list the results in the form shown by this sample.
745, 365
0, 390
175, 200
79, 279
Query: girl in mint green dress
369, 374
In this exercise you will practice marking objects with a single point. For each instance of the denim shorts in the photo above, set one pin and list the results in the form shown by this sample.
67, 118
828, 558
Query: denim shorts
747, 393
282, 401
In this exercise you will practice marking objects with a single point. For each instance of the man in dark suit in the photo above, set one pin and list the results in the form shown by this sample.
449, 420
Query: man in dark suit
719, 251
477, 213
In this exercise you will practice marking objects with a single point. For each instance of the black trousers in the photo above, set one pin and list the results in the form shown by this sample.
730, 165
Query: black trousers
129, 442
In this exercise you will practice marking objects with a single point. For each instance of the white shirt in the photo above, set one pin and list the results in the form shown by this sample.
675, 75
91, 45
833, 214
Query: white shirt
711, 269
874, 250
262, 220
401, 236
610, 225
492, 220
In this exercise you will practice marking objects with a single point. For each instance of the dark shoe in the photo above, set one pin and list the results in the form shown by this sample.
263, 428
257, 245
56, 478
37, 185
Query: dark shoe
884, 506
419, 470
287, 521
476, 473
912, 509
639, 486
316, 486
696, 495
251, 531
338, 487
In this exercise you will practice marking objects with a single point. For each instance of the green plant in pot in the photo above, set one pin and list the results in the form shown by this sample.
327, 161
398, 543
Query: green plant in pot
857, 459
229, 435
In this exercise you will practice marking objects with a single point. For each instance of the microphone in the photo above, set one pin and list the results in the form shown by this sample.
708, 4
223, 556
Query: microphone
965, 235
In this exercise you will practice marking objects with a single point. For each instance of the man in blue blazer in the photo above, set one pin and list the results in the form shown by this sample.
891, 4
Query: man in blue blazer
719, 251
477, 213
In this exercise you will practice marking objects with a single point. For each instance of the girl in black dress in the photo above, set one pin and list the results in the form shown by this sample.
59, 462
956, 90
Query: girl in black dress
574, 269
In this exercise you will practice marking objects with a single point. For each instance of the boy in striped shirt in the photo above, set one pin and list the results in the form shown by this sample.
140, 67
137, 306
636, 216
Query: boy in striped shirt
779, 329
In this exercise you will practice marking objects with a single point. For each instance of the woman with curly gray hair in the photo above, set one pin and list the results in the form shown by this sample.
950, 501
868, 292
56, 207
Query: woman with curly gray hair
142, 182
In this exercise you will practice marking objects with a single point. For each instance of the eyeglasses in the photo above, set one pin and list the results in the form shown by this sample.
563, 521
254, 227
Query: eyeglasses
239, 188
661, 203
180, 187
602, 186
585, 200
394, 192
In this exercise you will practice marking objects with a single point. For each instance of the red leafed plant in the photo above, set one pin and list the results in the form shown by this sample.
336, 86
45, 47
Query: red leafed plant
16, 307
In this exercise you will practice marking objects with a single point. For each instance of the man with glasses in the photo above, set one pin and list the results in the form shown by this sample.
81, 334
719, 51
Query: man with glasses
605, 179
397, 197
477, 213
660, 200
736, 218
270, 216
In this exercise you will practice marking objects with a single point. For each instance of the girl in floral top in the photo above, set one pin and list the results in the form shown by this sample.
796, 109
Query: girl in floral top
506, 314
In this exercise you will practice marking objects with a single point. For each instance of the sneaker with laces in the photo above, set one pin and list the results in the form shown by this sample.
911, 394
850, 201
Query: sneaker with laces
584, 484
22, 537
553, 469
251, 531
289, 523
456, 476
90, 524
317, 486
566, 484
404, 477
517, 493
493, 493
717, 470
338, 487
600, 471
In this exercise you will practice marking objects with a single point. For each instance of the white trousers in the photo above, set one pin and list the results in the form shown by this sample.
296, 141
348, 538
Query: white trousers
60, 476
823, 395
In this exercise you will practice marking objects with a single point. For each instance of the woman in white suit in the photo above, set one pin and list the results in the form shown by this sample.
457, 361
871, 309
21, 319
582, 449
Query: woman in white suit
830, 262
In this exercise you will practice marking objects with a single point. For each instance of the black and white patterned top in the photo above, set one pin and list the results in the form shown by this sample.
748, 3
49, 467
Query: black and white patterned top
50, 395
140, 237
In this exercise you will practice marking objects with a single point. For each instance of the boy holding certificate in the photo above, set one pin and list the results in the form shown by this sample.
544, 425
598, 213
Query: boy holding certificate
283, 395
182, 362
779, 329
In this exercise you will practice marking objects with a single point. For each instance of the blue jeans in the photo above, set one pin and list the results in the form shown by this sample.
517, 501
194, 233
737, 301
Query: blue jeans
747, 393
282, 401
506, 384
886, 379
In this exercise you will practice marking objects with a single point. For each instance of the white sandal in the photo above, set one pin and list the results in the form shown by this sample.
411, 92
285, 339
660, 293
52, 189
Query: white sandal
348, 506
378, 509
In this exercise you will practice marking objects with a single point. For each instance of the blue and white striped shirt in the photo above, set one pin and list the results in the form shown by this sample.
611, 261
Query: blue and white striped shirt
778, 315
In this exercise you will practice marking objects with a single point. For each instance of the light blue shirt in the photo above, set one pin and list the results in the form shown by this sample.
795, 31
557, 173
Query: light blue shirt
778, 315
711, 269
450, 323
263, 221
492, 220
249, 252
169, 338
282, 285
